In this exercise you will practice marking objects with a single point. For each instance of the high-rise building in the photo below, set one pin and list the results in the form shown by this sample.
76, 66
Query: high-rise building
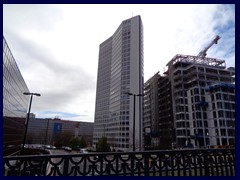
166, 128
195, 105
120, 71
202, 117
158, 116
15, 104
151, 112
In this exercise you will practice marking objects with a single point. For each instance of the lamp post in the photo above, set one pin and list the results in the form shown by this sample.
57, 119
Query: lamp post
134, 99
28, 114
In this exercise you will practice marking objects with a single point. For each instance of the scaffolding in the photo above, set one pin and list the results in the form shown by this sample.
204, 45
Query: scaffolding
197, 60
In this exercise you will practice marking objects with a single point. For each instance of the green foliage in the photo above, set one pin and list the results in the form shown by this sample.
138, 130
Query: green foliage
77, 143
82, 143
62, 139
102, 145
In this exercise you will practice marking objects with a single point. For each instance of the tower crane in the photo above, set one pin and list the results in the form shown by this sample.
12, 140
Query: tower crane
203, 52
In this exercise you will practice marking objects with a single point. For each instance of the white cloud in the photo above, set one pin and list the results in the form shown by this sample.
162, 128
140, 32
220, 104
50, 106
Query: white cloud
56, 46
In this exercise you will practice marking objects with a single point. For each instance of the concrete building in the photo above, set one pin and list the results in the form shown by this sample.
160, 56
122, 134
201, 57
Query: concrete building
166, 123
151, 112
198, 120
194, 105
43, 131
158, 116
120, 71
15, 104
221, 115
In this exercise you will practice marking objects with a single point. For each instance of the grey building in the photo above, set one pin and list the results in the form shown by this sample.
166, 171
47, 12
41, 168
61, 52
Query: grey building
158, 116
201, 121
166, 123
44, 131
151, 112
120, 71
15, 104
191, 105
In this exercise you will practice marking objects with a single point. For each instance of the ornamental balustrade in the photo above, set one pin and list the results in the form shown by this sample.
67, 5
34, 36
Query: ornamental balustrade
209, 162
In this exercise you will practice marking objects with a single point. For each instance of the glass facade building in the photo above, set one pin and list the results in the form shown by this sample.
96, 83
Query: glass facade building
15, 104
120, 71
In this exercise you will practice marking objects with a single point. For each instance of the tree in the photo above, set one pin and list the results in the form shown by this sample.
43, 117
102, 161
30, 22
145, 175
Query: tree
82, 143
77, 143
62, 139
102, 145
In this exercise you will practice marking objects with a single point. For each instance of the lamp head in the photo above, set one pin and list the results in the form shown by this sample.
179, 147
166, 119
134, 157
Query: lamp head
28, 93
129, 93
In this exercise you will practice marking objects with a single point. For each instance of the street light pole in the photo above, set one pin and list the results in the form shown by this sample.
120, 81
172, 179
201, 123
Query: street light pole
134, 103
28, 114
134, 99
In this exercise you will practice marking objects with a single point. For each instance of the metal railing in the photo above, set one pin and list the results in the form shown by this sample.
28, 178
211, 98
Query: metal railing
209, 162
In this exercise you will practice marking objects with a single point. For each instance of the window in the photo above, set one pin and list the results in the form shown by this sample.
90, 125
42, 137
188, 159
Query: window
219, 105
212, 97
220, 113
218, 96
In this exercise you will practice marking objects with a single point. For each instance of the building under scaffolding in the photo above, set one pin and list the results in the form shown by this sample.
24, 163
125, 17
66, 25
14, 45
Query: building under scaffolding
201, 121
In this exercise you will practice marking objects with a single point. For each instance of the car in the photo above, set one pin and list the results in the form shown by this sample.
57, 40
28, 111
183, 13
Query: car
84, 151
66, 148
49, 147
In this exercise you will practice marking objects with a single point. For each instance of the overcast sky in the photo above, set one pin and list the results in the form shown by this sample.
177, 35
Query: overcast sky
56, 46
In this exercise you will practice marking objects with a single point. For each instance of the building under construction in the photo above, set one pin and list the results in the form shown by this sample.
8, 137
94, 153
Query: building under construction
195, 105
202, 118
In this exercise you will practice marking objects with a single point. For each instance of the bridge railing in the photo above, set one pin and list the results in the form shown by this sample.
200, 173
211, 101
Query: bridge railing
209, 162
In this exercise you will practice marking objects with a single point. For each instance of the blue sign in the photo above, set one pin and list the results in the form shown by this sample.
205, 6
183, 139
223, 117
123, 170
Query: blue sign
57, 128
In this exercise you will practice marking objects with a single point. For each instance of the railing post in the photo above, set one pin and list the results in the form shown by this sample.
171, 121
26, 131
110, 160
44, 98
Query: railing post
65, 167
44, 167
206, 168
146, 164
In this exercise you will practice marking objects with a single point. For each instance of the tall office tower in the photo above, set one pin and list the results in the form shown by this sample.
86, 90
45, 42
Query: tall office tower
120, 71
203, 94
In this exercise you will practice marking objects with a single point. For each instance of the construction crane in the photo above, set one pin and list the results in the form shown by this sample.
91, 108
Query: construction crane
203, 52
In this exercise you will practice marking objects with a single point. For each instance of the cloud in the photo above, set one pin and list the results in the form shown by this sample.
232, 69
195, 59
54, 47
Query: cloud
60, 115
36, 17
56, 46
58, 83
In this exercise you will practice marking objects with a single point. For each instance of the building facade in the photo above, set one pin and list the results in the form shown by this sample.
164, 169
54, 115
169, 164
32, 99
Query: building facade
194, 106
44, 131
158, 116
166, 123
120, 71
15, 104
200, 122
151, 112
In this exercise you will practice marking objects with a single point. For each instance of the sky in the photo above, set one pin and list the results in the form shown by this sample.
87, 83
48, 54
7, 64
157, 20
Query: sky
56, 46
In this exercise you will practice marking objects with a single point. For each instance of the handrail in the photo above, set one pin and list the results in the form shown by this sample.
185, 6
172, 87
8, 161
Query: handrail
188, 162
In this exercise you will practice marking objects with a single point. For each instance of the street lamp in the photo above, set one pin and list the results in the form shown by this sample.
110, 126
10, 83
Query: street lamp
28, 114
134, 99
